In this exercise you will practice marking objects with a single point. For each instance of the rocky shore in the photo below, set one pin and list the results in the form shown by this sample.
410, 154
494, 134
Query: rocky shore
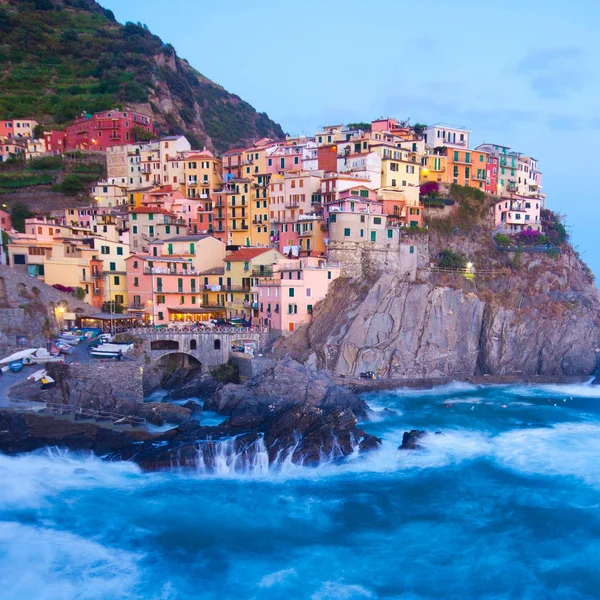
289, 414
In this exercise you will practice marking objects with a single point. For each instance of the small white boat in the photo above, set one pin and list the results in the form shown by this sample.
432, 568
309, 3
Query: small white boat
37, 375
24, 355
110, 350
69, 339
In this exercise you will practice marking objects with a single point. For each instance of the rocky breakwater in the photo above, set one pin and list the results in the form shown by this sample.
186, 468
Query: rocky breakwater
287, 415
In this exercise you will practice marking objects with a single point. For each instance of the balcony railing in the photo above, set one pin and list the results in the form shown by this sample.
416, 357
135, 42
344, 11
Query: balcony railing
267, 272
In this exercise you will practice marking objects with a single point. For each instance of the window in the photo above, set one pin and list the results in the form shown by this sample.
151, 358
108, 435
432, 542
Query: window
180, 285
193, 286
373, 236
308, 293
112, 267
456, 156
364, 193
309, 309
377, 220
119, 299
291, 292
117, 280
390, 233
217, 344
136, 282
167, 229
347, 232
104, 250
160, 316
332, 218
134, 229
119, 251
135, 264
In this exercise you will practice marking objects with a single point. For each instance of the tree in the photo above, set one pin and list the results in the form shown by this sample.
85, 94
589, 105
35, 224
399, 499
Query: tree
117, 308
142, 135
70, 186
452, 260
18, 213
80, 293
38, 132
419, 128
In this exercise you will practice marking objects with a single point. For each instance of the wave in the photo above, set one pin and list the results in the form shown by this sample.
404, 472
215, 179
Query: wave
29, 479
46, 564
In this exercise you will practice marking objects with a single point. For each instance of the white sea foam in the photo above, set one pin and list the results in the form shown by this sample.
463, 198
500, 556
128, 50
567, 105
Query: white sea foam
456, 387
28, 480
277, 577
564, 449
47, 564
331, 590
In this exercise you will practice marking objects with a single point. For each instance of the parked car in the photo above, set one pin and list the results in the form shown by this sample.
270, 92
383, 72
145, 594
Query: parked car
368, 375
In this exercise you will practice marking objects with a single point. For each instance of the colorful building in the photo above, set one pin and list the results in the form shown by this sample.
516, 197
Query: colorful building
107, 128
289, 290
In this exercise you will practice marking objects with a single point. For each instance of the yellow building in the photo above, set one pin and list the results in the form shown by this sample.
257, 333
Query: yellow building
113, 255
241, 297
202, 174
400, 171
434, 168
260, 226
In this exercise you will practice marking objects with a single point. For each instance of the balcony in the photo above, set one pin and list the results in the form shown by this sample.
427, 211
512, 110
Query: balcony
236, 288
292, 204
478, 177
136, 306
248, 304
266, 272
97, 292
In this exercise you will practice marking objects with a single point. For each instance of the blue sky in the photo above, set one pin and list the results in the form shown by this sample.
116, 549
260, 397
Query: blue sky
523, 74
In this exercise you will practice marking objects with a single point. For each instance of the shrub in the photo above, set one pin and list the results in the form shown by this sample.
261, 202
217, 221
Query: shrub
117, 308
227, 373
430, 189
80, 293
553, 252
502, 240
452, 260
70, 186
18, 213
46, 163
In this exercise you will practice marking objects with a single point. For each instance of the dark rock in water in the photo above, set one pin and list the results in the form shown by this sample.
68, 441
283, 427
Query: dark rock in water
410, 440
596, 380
273, 434
24, 432
161, 413
193, 406
289, 381
200, 385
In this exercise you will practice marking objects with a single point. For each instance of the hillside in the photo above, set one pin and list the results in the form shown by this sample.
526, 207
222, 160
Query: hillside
61, 57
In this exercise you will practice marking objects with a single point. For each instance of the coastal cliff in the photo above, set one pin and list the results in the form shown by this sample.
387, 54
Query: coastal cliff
537, 315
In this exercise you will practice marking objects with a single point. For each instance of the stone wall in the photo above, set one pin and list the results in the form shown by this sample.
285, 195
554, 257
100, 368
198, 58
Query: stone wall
104, 387
368, 260
251, 367
27, 309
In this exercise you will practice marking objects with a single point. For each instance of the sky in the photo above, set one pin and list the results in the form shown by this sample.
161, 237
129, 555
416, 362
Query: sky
520, 74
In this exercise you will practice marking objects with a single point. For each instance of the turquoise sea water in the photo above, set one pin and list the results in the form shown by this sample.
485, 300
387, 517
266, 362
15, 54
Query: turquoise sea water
505, 503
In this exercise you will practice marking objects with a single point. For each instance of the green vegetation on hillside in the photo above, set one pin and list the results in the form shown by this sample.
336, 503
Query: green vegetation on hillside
62, 57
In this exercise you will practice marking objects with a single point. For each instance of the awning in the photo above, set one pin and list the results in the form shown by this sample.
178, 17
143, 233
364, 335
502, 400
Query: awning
194, 311
107, 317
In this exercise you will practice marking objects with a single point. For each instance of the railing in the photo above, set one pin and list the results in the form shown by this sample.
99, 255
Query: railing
262, 272
152, 331
89, 412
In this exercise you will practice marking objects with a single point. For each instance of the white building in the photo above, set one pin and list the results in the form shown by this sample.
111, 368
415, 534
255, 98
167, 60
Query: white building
451, 136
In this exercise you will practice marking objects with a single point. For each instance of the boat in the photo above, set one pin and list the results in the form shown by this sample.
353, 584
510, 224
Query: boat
24, 355
69, 339
15, 366
47, 382
37, 375
110, 350
64, 348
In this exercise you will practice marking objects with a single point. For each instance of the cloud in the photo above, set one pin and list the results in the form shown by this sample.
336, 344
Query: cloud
552, 73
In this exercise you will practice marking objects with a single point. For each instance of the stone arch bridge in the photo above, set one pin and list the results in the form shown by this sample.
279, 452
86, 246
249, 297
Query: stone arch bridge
211, 347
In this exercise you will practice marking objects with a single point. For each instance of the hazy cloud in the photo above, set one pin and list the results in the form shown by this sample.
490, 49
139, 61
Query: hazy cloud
552, 72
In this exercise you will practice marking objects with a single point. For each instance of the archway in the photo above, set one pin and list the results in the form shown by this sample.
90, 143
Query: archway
193, 345
170, 372
164, 345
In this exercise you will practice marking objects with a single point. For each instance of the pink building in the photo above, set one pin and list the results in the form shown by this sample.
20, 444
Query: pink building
287, 295
517, 214
5, 221
285, 158
55, 141
107, 128
491, 174
356, 199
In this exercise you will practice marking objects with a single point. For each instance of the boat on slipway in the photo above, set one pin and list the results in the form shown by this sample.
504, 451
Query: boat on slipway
110, 350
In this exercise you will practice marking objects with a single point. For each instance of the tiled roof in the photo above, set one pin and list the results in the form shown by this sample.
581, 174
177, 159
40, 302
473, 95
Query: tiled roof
247, 254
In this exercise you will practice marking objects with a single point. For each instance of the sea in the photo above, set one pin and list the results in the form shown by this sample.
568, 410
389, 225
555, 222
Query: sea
502, 501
